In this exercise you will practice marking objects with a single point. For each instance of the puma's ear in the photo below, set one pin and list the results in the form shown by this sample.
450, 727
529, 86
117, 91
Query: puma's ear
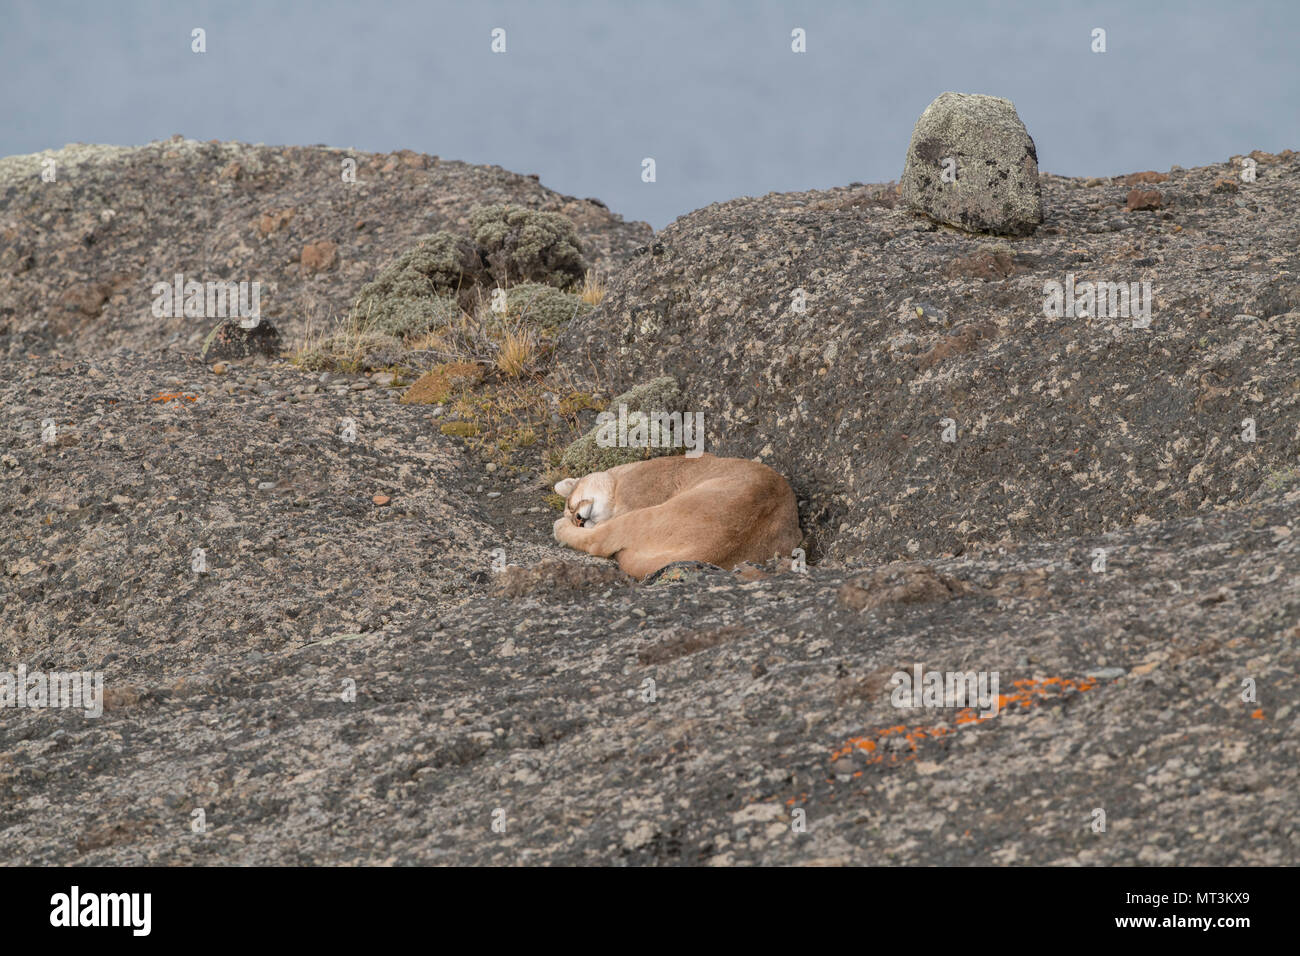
563, 488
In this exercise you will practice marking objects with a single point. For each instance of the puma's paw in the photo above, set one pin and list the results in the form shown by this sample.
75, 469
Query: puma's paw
565, 527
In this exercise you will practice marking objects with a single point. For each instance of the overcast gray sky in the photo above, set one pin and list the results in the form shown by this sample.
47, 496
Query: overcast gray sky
710, 90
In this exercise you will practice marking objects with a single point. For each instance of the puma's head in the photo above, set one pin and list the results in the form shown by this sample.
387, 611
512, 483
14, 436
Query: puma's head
588, 500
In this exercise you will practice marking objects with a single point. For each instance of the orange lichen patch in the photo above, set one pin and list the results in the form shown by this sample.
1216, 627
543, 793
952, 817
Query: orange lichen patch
1258, 714
1029, 693
174, 396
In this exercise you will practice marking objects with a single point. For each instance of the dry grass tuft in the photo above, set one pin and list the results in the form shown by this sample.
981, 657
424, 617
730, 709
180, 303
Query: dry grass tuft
593, 288
516, 352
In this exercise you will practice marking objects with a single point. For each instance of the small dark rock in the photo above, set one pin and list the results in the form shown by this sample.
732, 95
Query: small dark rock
230, 340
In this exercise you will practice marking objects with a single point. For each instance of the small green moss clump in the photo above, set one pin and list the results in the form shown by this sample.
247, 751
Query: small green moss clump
574, 402
586, 454
460, 429
524, 245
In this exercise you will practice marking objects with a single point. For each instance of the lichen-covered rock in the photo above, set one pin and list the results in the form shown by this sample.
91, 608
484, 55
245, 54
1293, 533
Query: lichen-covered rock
345, 682
520, 244
591, 452
657, 717
972, 164
921, 403
79, 256
230, 339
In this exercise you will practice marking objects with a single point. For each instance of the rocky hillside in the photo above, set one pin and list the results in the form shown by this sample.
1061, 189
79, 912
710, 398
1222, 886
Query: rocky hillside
292, 581
837, 335
79, 256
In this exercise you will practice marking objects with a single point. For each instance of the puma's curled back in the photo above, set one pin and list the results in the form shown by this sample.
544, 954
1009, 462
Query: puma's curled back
649, 514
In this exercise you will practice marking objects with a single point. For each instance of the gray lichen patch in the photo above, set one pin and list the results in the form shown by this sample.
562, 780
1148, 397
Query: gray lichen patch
971, 163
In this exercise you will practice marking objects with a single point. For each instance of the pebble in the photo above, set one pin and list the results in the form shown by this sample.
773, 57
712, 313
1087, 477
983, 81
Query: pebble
219, 368
380, 500
494, 494
1107, 673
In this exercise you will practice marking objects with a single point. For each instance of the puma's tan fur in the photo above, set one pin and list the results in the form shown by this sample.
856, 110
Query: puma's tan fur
648, 514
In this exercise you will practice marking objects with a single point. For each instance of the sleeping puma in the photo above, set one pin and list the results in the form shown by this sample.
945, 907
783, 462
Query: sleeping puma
648, 514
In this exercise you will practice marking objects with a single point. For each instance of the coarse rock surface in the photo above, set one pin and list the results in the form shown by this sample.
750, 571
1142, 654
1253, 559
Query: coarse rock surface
971, 163
346, 640
79, 256
1063, 426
